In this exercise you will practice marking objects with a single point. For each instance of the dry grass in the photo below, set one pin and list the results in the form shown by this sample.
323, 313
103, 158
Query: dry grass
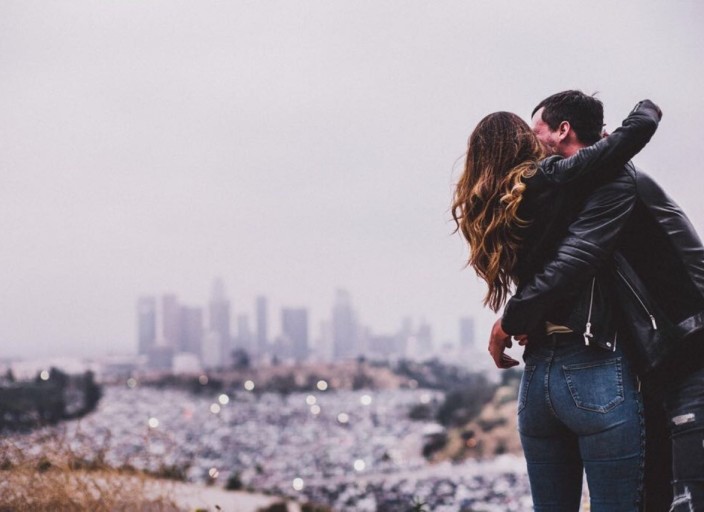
50, 476
493, 432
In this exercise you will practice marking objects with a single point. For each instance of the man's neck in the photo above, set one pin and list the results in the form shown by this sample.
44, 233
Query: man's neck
570, 149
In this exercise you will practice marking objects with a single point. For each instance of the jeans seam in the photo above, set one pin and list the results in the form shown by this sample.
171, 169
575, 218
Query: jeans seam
522, 397
546, 382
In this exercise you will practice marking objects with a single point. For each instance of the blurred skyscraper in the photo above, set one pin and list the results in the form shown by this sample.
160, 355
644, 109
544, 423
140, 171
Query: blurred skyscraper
294, 331
146, 324
171, 322
219, 319
244, 339
191, 336
262, 320
424, 341
467, 332
344, 327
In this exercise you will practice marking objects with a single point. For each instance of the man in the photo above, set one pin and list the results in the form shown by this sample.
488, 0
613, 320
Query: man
633, 216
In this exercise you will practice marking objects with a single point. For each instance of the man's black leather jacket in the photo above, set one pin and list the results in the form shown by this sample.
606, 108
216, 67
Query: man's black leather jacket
626, 212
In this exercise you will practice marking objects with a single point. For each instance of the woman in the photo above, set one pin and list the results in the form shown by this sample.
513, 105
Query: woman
579, 407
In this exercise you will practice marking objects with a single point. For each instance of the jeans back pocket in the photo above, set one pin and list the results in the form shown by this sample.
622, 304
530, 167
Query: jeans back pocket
595, 386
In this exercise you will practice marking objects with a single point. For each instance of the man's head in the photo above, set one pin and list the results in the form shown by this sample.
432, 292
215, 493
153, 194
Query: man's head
567, 121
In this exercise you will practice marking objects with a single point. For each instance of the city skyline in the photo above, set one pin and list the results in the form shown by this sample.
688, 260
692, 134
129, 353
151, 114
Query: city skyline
292, 148
216, 335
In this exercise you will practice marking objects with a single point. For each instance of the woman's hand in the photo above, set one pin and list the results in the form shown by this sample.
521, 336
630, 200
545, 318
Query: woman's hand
498, 342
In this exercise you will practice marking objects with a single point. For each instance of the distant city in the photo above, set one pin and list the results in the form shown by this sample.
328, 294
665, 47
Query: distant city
177, 337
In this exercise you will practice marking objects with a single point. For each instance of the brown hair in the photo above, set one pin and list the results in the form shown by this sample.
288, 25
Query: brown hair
501, 151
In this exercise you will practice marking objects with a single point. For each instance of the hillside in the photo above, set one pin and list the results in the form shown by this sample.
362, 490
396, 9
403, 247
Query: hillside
493, 432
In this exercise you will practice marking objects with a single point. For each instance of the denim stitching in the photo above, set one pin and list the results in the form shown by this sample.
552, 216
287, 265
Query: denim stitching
685, 498
523, 391
641, 476
547, 380
593, 407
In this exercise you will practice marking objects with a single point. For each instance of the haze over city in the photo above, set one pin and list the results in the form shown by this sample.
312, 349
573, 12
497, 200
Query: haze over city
291, 148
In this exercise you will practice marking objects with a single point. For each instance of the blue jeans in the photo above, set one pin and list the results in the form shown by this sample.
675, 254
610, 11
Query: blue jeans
579, 409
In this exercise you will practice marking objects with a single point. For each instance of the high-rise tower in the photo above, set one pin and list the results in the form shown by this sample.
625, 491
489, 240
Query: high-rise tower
219, 319
344, 327
294, 330
262, 323
146, 324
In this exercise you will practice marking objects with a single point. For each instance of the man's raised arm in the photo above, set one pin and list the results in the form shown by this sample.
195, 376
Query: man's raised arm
604, 158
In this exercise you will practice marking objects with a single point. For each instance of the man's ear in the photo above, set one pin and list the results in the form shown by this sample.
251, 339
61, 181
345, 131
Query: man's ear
563, 130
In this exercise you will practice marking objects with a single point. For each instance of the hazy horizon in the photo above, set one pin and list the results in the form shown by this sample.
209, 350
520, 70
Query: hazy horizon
289, 147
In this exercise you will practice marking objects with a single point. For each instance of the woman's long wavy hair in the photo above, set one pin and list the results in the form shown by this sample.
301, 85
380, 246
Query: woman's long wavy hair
501, 152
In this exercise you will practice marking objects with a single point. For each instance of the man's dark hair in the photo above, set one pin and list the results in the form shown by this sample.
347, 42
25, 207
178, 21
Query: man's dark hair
584, 113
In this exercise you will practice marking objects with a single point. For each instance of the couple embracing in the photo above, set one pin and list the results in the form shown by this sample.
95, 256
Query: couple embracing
601, 276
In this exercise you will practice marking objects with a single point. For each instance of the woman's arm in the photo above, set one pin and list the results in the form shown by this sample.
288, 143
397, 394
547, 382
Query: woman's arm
610, 153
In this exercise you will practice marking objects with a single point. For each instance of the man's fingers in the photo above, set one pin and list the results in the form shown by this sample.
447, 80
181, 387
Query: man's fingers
522, 339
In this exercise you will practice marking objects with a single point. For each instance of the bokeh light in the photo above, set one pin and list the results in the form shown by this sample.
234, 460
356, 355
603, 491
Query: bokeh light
298, 484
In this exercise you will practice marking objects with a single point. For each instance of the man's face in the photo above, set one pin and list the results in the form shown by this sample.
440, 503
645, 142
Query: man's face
548, 137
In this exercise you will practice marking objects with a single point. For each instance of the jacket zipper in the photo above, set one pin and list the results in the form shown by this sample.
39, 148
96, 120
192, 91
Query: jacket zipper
635, 294
588, 330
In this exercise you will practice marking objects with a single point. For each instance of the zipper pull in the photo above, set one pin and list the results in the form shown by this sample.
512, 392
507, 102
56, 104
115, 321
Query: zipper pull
588, 333
652, 320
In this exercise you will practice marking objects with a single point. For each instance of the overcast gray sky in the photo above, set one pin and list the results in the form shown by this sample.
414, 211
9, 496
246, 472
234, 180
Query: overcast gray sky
291, 147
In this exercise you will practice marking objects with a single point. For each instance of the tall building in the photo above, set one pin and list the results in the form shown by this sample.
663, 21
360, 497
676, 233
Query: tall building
344, 327
219, 319
191, 336
424, 341
146, 324
467, 332
294, 331
171, 322
244, 334
262, 323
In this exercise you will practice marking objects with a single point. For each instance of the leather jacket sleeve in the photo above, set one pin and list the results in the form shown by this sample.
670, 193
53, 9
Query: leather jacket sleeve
603, 158
589, 242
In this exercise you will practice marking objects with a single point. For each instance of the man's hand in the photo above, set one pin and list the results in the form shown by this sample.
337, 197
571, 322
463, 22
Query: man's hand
498, 342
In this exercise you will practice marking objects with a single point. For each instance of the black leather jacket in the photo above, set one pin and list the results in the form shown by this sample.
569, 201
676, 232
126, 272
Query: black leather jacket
626, 212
